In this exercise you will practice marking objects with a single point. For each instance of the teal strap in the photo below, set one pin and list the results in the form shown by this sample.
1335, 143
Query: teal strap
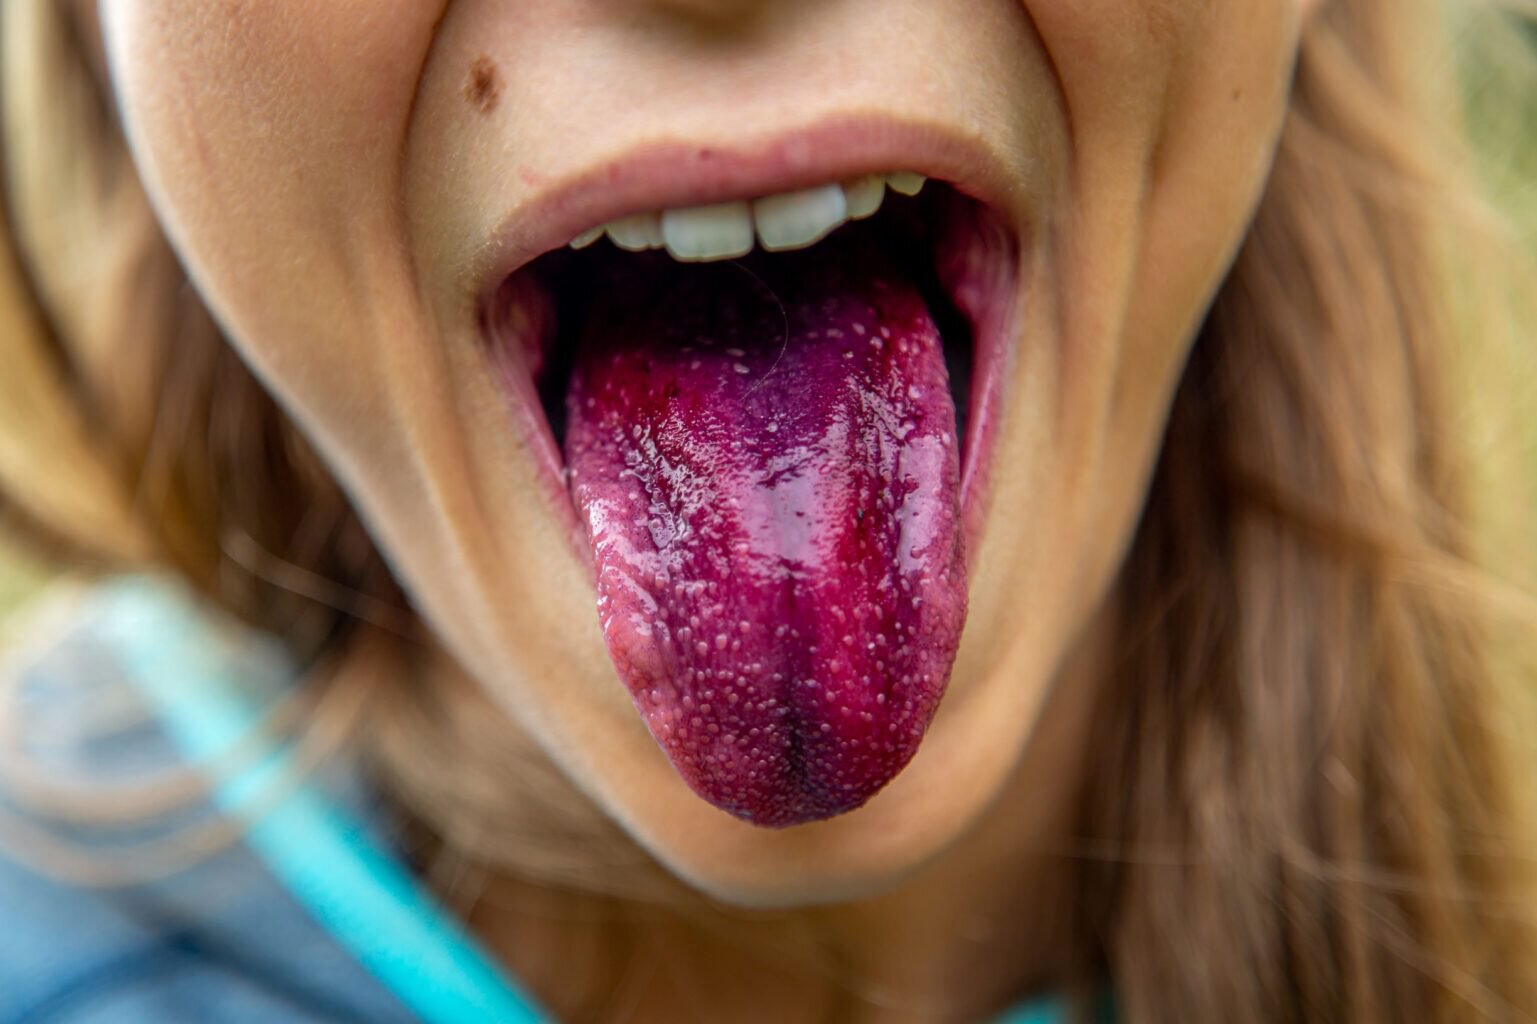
362, 895
1052, 1010
1039, 1011
368, 901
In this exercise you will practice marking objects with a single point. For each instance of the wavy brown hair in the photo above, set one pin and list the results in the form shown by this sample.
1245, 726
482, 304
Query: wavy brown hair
1312, 802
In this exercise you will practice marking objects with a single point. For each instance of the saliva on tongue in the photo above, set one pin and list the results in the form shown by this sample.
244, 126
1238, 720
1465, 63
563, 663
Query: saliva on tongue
765, 457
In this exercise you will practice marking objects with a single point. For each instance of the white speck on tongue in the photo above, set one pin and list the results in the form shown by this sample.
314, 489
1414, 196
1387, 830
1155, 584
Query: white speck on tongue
765, 458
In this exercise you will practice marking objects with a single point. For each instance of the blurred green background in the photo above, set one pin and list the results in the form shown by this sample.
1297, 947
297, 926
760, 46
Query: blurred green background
21, 576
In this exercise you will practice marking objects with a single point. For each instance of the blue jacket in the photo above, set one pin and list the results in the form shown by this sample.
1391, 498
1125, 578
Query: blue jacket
222, 940
311, 916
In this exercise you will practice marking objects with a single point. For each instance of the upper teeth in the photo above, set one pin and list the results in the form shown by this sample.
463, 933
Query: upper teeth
792, 220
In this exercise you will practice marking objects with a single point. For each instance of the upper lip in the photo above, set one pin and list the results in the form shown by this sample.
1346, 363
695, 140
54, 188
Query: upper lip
674, 173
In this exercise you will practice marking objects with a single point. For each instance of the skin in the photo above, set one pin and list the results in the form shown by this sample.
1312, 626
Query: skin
331, 174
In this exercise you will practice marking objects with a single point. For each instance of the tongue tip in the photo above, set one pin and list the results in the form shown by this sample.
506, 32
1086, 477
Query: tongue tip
797, 809
801, 794
806, 752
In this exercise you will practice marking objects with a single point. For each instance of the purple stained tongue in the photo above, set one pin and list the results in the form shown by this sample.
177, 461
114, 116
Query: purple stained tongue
765, 458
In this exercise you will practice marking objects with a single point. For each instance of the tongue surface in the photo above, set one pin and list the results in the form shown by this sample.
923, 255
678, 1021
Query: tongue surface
765, 457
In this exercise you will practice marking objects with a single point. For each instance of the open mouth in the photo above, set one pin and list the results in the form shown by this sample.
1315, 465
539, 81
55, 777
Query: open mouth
772, 418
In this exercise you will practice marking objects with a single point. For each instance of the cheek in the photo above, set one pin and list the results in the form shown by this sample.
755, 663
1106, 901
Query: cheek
1174, 108
1226, 94
269, 137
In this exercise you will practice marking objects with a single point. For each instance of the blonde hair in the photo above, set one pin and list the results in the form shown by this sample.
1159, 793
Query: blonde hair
1309, 805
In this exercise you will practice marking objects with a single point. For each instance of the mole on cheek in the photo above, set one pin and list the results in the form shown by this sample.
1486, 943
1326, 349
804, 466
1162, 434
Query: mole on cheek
483, 85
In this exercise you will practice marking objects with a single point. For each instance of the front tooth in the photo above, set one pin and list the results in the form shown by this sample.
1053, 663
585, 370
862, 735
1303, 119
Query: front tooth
906, 182
637, 232
864, 195
587, 237
702, 233
795, 220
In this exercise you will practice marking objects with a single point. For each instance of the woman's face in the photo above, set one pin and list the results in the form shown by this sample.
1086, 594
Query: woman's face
717, 535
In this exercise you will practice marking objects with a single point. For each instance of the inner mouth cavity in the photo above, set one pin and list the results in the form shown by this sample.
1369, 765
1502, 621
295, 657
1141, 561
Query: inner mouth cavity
766, 455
